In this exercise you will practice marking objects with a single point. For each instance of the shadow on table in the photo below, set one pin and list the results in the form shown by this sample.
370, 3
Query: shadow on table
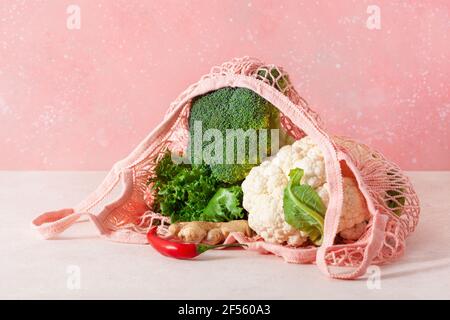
416, 268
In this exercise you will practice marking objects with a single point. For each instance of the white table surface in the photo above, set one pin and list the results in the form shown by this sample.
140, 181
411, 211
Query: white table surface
32, 268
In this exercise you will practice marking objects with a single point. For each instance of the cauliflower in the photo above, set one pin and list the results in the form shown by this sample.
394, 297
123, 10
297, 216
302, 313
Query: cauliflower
263, 199
264, 187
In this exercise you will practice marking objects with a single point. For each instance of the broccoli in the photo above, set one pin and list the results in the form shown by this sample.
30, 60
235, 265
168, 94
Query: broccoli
233, 108
273, 74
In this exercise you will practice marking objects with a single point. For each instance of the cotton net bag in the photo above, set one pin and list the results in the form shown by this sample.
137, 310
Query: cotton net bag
119, 207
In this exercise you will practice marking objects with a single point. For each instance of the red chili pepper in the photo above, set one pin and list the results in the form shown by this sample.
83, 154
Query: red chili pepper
180, 250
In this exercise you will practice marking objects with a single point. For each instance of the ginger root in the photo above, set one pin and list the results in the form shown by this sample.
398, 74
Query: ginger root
208, 232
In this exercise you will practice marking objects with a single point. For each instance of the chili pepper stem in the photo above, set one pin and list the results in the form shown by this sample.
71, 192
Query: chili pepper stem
205, 247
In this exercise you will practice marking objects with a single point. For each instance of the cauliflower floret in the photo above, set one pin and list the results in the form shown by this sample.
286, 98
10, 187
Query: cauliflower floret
264, 187
322, 191
283, 159
354, 208
311, 161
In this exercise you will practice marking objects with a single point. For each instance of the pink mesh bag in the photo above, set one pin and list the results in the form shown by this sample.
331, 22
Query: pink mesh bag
119, 206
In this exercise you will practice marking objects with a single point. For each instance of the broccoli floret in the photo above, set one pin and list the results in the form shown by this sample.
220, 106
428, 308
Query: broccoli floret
232, 108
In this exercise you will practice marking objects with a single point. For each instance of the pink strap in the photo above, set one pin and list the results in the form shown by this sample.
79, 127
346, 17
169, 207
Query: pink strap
374, 245
291, 255
50, 224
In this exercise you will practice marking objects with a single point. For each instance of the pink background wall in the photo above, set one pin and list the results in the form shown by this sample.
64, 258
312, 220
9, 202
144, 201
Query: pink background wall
82, 99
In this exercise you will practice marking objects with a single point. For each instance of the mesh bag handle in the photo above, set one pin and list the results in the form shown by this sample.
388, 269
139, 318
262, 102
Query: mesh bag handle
373, 247
52, 223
